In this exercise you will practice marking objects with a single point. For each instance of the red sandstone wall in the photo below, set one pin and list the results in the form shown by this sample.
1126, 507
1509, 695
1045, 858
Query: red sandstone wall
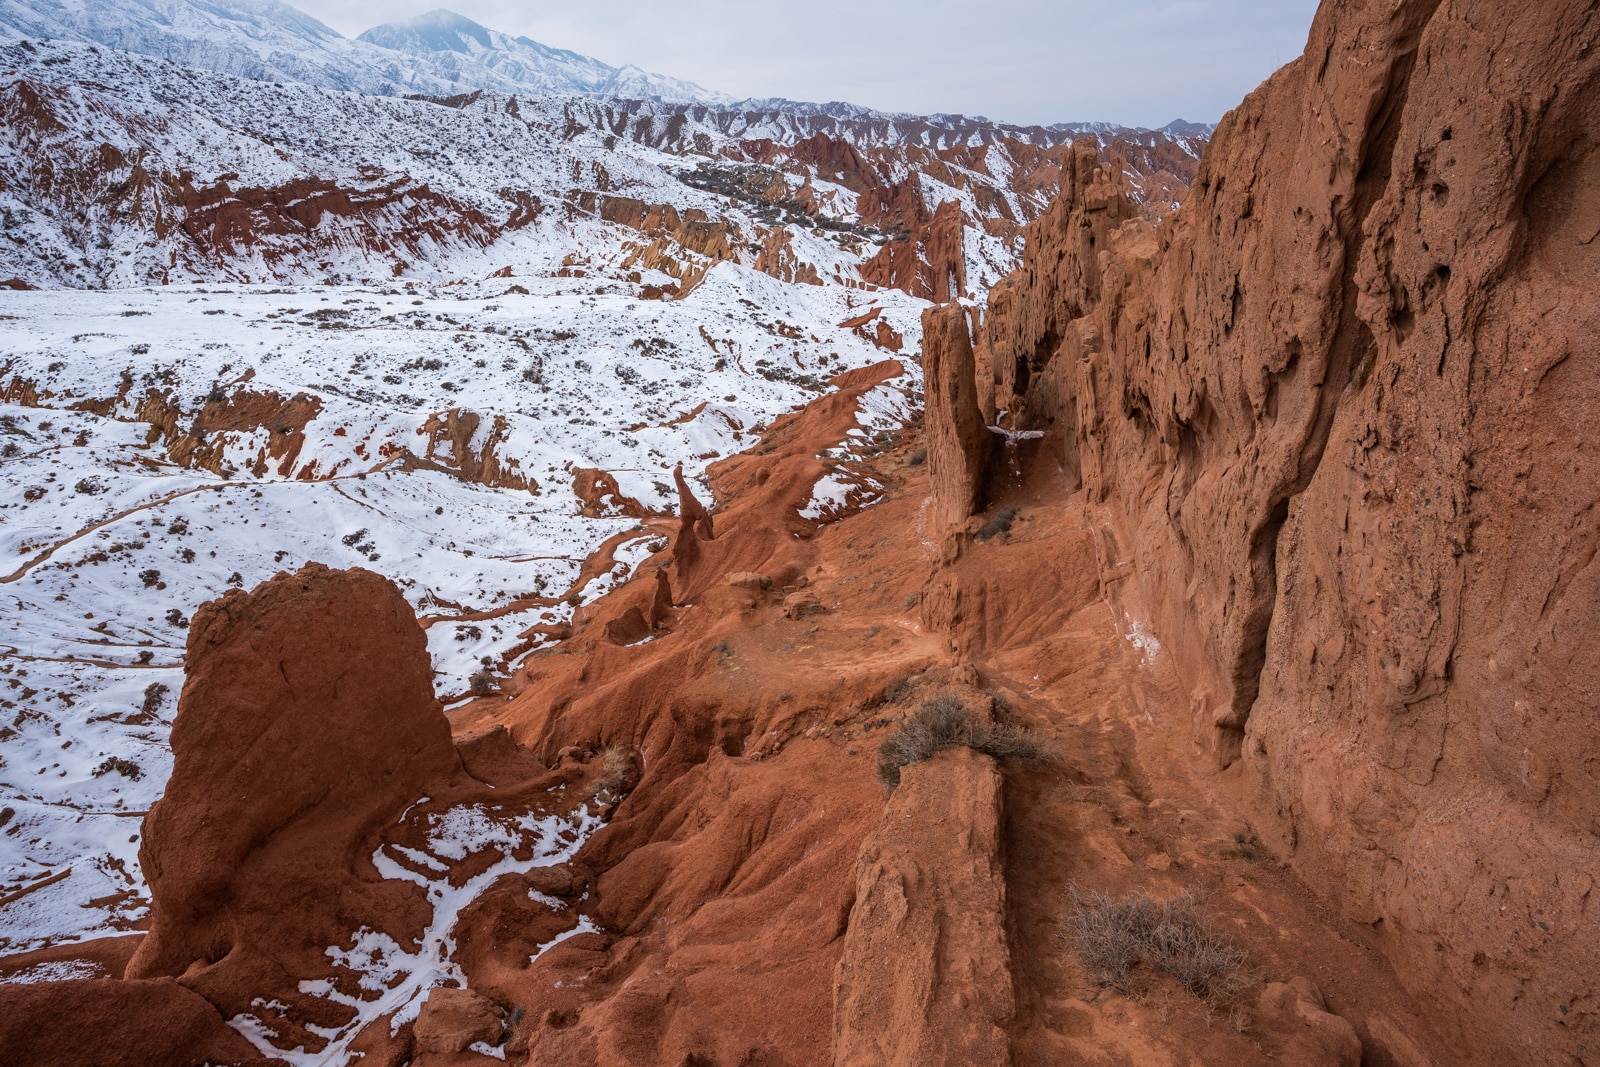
1340, 414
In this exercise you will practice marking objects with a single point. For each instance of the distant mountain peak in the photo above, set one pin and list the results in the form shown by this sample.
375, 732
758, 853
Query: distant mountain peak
439, 30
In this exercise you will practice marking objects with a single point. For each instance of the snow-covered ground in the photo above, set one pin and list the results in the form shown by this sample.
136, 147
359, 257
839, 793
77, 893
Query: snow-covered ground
113, 530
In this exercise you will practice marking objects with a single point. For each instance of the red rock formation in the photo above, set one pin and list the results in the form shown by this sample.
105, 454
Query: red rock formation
881, 333
396, 216
456, 430
925, 973
106, 1023
307, 721
931, 264
1334, 438
959, 443
778, 258
628, 628
660, 613
205, 443
601, 497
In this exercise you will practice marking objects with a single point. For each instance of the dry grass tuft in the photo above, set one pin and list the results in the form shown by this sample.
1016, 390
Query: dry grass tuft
998, 526
942, 721
1114, 935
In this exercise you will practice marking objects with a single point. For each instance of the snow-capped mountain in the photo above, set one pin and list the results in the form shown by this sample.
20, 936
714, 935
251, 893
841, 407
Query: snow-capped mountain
449, 47
438, 54
106, 181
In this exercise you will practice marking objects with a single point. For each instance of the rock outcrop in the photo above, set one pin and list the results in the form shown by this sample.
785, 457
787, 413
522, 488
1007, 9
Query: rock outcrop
1335, 433
925, 974
307, 721
108, 1023
959, 444
930, 264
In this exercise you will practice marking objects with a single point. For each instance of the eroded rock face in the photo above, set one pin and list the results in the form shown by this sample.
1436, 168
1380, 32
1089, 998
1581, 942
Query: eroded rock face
1335, 427
958, 441
931, 265
108, 1023
307, 719
925, 975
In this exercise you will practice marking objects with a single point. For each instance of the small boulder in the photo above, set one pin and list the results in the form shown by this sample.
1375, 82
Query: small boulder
749, 580
558, 881
452, 1020
802, 604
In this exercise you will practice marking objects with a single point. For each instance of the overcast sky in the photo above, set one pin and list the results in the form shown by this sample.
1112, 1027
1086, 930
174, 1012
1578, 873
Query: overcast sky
1138, 62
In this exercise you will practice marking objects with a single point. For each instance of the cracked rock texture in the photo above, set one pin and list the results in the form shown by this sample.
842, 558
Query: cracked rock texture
1336, 423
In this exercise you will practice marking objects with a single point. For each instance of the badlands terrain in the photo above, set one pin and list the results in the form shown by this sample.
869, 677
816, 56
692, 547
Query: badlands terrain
512, 558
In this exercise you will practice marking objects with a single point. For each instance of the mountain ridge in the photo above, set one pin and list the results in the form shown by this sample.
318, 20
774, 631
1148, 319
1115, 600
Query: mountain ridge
266, 40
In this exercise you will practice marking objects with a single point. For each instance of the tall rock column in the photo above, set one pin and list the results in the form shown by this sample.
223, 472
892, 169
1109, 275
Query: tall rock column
958, 441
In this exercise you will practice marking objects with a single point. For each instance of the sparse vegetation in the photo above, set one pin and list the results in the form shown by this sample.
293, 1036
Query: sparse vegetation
127, 768
942, 721
897, 692
1115, 935
154, 694
998, 526
1243, 846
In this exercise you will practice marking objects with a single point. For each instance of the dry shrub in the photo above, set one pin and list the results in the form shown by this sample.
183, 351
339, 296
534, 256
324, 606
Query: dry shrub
942, 721
999, 525
1006, 741
1115, 935
898, 692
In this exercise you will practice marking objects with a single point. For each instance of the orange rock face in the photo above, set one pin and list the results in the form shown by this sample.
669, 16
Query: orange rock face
105, 1023
959, 444
312, 697
1332, 427
925, 974
931, 264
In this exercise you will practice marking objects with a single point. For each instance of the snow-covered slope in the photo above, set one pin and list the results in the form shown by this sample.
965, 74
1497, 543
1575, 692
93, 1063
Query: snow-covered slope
116, 169
159, 446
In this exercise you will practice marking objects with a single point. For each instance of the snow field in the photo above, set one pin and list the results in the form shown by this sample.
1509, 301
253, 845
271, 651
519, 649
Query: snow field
107, 544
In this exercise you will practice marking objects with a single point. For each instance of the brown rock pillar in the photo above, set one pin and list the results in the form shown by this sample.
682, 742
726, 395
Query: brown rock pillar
958, 441
307, 719
925, 976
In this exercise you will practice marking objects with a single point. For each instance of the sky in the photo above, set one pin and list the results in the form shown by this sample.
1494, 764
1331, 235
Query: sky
1137, 62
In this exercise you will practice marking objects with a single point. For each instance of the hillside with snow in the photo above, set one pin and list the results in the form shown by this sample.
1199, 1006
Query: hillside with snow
439, 302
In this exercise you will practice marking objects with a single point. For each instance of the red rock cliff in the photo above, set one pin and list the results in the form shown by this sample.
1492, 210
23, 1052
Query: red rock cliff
1335, 423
